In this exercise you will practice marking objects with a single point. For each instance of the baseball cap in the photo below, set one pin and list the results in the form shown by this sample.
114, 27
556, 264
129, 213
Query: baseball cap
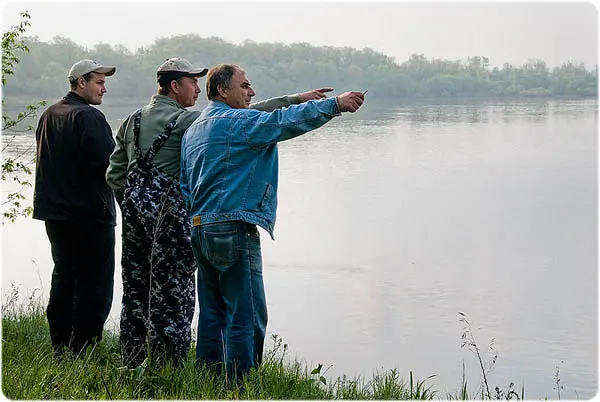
180, 67
85, 66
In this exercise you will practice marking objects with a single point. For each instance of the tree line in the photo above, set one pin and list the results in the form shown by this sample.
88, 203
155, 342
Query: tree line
276, 68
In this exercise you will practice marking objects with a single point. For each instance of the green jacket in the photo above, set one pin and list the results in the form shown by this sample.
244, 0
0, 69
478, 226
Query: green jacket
155, 116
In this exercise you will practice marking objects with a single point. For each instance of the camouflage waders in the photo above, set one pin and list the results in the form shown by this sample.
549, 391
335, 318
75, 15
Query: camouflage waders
158, 262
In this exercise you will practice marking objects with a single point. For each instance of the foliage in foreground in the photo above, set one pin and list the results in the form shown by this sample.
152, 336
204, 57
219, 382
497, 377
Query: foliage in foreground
15, 162
29, 371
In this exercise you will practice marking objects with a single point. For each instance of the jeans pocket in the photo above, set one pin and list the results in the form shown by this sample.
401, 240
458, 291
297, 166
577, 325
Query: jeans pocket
221, 249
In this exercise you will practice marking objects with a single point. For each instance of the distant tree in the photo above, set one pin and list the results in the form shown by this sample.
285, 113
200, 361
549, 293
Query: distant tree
15, 163
478, 65
277, 68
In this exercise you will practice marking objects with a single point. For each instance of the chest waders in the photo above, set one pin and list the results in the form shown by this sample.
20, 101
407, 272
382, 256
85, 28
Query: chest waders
157, 262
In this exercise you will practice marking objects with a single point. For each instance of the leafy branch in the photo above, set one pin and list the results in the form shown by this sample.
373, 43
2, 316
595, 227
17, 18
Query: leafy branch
11, 44
16, 165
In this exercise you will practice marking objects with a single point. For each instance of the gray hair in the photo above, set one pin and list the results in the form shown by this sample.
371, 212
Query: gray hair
220, 76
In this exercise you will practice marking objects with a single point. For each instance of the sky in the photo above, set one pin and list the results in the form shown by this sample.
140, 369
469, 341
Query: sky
512, 32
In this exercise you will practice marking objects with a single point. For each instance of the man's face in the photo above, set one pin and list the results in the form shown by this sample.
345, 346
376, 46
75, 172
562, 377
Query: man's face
187, 91
94, 89
241, 93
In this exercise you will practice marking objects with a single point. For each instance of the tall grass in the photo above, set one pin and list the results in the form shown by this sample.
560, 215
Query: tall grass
30, 371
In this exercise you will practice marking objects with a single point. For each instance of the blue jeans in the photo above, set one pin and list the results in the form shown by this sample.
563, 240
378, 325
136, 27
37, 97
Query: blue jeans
231, 296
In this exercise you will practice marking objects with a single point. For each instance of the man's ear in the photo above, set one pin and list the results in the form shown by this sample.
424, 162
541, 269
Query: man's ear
81, 82
174, 86
222, 92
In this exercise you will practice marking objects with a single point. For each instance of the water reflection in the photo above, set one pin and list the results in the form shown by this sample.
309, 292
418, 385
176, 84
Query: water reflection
488, 112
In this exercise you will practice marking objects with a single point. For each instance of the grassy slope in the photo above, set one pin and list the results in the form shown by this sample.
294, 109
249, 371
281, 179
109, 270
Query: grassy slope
29, 371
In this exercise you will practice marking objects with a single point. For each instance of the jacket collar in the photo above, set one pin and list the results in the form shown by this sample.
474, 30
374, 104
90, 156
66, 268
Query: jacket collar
218, 103
157, 98
72, 96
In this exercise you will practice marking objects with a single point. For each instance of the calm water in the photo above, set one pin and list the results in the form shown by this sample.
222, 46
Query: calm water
394, 219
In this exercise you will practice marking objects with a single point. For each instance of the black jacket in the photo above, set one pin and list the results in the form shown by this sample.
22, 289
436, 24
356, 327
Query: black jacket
74, 143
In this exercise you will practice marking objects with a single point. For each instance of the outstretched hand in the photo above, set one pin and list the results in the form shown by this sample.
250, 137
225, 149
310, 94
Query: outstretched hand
350, 101
314, 94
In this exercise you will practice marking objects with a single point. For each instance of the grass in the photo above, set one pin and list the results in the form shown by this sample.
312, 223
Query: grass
30, 371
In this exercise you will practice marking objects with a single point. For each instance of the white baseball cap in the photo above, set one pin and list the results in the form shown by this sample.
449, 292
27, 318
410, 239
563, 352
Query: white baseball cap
85, 66
177, 65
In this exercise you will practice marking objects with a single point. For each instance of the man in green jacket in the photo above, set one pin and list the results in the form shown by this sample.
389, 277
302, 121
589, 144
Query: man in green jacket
157, 260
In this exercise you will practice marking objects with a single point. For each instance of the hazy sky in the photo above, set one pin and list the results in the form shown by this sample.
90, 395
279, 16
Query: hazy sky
504, 32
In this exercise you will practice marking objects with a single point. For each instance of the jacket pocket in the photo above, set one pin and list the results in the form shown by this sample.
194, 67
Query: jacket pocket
265, 203
105, 204
221, 249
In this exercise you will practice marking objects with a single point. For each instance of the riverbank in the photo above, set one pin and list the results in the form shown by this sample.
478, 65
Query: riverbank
30, 372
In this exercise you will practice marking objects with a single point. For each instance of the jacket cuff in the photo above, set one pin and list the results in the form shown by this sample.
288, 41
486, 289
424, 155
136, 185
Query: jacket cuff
337, 105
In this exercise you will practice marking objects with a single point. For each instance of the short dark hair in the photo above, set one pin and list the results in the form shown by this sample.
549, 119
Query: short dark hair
165, 78
220, 75
87, 77
164, 82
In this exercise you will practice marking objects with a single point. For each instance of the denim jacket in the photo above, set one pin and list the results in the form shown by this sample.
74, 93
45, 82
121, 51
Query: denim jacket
229, 165
155, 116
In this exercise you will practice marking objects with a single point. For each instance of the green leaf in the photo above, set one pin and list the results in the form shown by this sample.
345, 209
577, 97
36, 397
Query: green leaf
317, 370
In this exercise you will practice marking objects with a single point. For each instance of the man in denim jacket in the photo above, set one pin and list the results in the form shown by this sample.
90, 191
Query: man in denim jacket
157, 260
229, 172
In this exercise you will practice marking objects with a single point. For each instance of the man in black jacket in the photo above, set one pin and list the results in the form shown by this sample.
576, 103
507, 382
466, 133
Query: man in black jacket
74, 143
